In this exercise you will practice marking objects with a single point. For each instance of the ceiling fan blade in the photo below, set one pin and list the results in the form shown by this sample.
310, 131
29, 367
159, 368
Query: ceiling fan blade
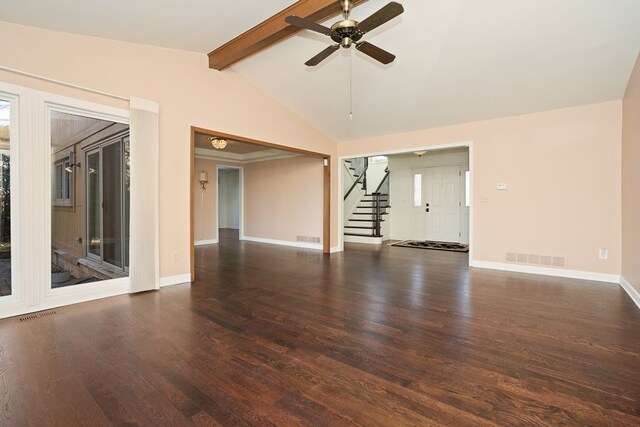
375, 52
322, 56
308, 25
385, 14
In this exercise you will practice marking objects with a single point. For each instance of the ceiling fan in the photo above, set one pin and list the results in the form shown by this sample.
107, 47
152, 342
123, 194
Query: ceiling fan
347, 32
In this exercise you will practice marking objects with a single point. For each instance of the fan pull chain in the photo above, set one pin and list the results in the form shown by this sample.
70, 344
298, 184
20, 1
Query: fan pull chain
350, 84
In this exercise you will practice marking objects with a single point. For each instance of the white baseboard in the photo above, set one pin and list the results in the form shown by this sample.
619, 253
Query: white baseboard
335, 249
633, 292
364, 239
175, 280
205, 242
547, 271
303, 245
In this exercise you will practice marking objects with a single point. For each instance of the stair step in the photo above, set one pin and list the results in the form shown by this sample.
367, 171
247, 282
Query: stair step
360, 235
372, 207
364, 220
359, 227
369, 213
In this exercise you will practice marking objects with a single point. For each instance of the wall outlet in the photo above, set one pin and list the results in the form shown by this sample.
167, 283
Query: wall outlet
603, 253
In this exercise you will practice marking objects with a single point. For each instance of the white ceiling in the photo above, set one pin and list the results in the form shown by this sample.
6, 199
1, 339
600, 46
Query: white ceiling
196, 25
457, 60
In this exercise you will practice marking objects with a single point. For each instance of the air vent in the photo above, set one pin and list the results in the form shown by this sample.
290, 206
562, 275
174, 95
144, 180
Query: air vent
545, 260
37, 316
308, 239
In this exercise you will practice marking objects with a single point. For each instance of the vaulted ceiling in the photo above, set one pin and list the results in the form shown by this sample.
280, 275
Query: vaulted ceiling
457, 60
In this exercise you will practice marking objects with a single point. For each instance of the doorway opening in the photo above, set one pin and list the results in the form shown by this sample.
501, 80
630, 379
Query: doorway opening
229, 202
249, 190
426, 196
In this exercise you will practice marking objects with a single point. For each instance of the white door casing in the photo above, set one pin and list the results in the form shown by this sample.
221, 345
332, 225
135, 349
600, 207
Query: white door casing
442, 203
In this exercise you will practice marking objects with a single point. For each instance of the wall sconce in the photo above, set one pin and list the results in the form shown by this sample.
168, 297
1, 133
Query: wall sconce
420, 153
70, 166
203, 177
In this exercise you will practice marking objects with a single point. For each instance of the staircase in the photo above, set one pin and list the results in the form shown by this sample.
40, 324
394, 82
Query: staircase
364, 223
367, 218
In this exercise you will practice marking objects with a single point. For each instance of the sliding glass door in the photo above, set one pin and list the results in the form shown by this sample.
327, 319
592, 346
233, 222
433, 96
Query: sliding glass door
88, 209
107, 213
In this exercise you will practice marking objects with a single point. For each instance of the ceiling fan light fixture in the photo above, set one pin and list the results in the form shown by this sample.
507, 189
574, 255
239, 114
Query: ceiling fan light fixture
218, 143
347, 32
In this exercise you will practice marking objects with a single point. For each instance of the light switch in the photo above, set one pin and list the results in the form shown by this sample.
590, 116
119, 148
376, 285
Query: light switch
501, 186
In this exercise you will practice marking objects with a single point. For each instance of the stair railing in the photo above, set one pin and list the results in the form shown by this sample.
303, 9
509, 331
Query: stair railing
359, 167
382, 190
383, 187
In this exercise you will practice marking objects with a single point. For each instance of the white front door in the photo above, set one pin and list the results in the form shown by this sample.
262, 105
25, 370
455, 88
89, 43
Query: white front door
442, 204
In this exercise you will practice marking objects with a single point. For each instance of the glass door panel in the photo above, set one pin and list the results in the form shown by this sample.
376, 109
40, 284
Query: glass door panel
89, 179
127, 199
5, 199
94, 208
112, 204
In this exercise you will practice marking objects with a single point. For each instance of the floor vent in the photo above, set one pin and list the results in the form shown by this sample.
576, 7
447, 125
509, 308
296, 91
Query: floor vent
37, 316
308, 239
545, 260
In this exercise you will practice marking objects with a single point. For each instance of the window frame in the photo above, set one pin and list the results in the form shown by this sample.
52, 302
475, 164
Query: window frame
62, 159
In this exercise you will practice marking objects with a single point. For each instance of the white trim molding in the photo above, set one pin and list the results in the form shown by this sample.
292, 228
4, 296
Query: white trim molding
205, 242
175, 280
144, 104
303, 245
629, 289
547, 271
254, 157
335, 249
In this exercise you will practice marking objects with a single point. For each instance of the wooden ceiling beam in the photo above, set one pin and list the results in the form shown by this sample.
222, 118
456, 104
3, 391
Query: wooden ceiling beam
273, 30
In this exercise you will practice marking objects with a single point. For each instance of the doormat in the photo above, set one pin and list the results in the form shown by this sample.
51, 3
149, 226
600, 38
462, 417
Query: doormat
428, 244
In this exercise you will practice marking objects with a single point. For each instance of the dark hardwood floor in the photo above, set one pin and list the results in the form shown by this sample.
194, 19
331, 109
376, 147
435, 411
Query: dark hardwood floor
372, 337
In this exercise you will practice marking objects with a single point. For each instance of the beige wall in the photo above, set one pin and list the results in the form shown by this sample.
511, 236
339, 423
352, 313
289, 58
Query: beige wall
562, 168
631, 180
189, 94
283, 198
